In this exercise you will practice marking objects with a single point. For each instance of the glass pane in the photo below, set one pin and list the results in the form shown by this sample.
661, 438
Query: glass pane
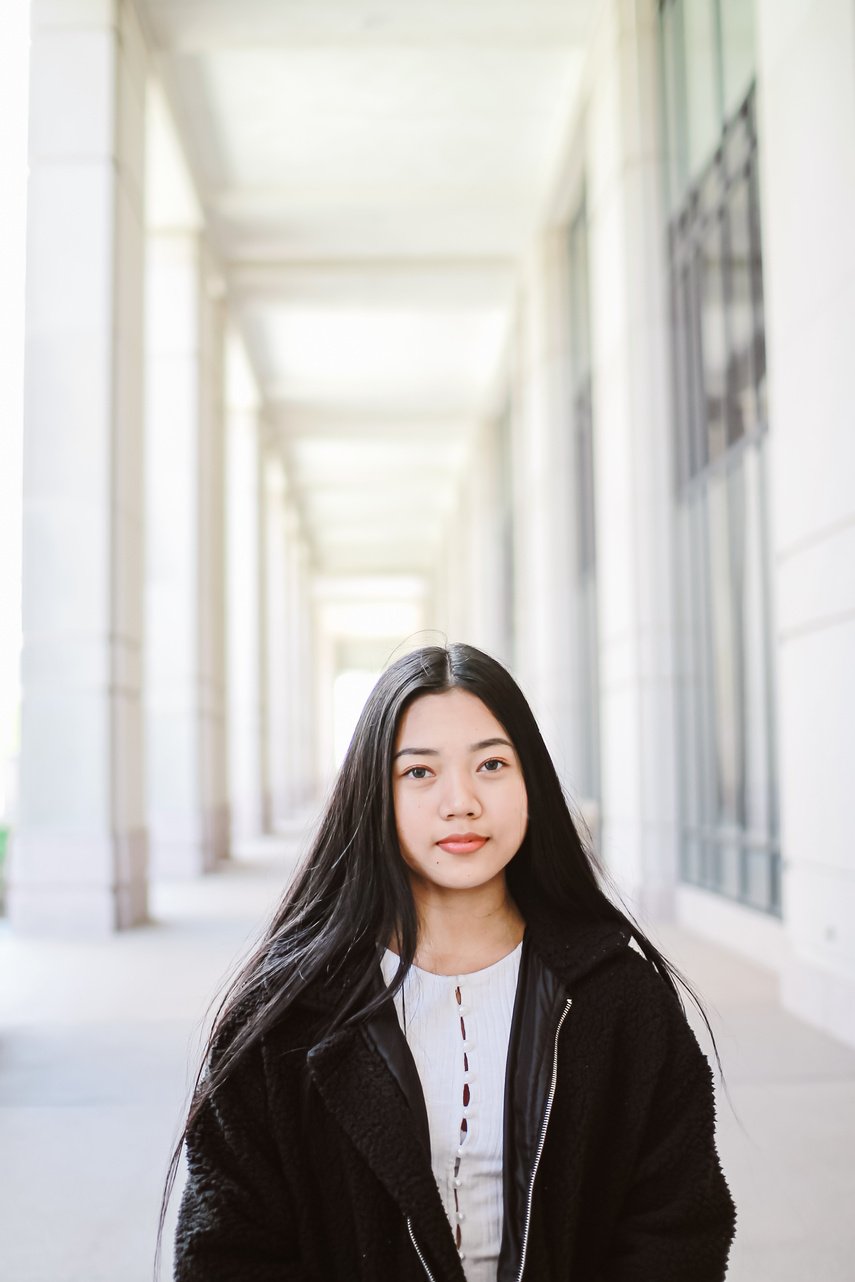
762, 526
759, 888
680, 349
735, 482
713, 339
705, 690
727, 756
730, 865
737, 41
674, 107
687, 678
738, 144
580, 319
587, 597
584, 485
589, 686
698, 451
701, 53
691, 863
586, 585
775, 873
756, 677
757, 291
742, 406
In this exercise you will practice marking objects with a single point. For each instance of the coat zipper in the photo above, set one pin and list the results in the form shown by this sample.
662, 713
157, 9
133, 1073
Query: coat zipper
418, 1249
541, 1142
546, 1114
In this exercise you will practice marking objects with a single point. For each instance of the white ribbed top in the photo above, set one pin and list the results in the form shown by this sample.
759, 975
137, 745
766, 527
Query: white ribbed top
458, 1027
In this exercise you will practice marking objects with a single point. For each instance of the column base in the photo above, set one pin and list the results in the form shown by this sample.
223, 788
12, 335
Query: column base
246, 819
43, 899
821, 997
752, 934
180, 851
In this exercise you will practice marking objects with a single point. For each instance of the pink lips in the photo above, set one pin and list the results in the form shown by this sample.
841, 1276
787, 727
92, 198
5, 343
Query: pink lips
462, 843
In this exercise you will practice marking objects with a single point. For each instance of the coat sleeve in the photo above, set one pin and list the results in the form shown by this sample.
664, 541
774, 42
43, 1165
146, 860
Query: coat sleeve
235, 1223
678, 1219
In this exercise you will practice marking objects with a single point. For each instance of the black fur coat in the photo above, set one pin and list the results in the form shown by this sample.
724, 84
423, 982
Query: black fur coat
308, 1164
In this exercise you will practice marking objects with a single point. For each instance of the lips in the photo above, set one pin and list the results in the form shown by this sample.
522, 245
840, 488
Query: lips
462, 843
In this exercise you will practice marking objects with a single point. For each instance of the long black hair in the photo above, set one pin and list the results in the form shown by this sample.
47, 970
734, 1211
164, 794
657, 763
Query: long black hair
352, 891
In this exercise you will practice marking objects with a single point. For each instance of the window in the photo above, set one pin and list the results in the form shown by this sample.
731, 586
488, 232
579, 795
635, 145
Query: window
728, 785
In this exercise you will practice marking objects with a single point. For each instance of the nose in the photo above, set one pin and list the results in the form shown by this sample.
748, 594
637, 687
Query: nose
459, 797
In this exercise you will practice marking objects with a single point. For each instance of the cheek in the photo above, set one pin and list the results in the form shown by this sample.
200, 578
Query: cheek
521, 812
408, 816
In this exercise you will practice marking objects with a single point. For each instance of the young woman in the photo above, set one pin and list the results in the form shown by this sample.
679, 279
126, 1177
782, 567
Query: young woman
452, 1057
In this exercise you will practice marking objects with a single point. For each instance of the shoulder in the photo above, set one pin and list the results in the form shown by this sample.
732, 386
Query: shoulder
655, 1022
642, 1006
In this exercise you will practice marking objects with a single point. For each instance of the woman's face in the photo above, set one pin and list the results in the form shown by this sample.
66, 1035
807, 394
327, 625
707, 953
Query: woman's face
460, 800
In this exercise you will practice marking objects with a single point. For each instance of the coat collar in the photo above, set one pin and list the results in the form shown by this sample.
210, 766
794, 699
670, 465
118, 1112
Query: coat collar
570, 945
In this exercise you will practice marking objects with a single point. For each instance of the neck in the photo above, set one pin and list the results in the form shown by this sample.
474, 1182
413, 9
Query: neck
465, 930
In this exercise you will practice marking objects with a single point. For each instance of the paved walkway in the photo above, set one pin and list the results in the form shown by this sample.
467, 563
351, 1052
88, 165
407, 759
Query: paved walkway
96, 1040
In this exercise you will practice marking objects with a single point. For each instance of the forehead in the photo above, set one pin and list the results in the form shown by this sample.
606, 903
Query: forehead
455, 716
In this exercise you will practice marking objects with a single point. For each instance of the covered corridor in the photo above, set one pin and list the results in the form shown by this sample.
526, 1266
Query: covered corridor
342, 327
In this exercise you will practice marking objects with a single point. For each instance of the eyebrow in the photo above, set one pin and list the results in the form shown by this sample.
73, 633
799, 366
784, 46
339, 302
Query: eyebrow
473, 747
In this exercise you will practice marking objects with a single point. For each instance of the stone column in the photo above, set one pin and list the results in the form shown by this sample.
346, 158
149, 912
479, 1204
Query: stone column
79, 860
245, 613
276, 598
185, 569
294, 659
632, 458
484, 536
545, 498
304, 752
806, 113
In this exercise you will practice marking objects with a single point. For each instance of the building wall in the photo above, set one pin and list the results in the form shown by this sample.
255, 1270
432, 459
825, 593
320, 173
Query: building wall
614, 156
805, 76
806, 93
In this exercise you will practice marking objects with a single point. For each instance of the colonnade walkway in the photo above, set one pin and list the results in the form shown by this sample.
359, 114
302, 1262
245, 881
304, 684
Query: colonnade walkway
97, 1041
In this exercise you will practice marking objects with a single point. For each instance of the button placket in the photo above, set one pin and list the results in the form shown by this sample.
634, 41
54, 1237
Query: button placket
462, 1011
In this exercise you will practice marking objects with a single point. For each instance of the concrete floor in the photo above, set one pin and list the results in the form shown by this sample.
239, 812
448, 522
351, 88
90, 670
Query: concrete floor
98, 1040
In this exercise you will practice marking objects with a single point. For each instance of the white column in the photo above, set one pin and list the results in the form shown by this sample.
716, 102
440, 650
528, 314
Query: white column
325, 673
295, 701
484, 536
308, 710
185, 607
467, 588
293, 727
299, 667
246, 755
276, 598
451, 616
212, 567
632, 456
806, 110
299, 716
544, 496
79, 861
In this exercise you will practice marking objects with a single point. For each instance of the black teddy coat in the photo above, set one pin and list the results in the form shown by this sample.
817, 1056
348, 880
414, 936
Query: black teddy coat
308, 1164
